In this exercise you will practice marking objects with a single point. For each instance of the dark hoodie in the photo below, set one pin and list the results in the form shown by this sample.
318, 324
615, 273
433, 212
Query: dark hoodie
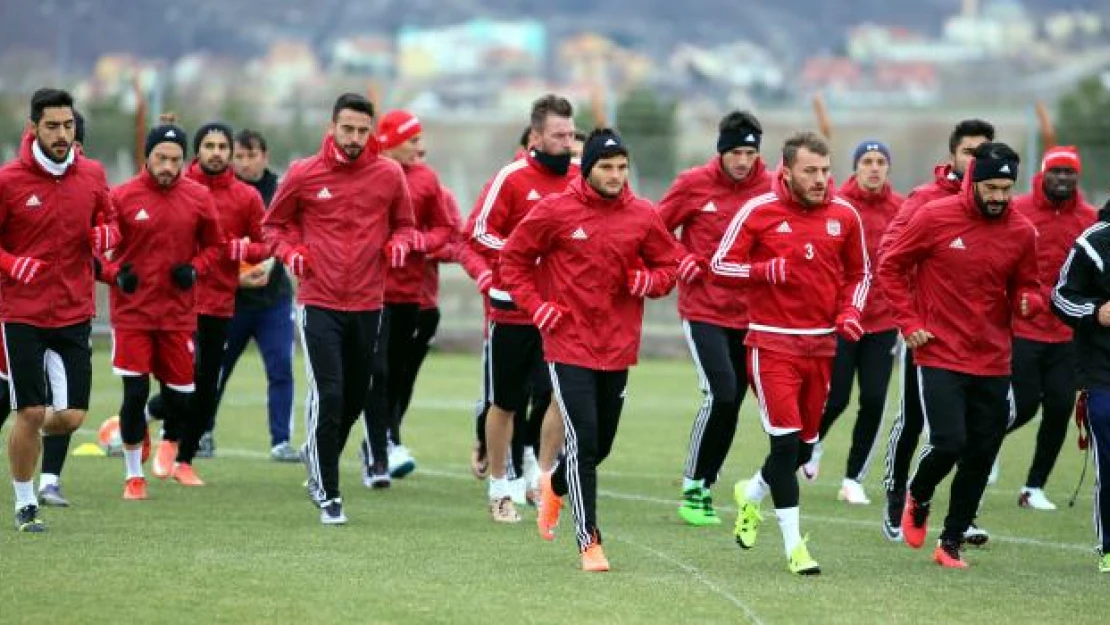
279, 290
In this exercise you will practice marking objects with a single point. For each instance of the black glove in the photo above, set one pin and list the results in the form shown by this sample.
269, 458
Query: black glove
184, 276
126, 279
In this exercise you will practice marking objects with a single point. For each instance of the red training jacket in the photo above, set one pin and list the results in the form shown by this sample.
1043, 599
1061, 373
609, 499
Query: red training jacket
944, 184
162, 227
343, 213
828, 272
589, 244
503, 203
876, 210
449, 253
404, 285
970, 273
48, 218
239, 208
1058, 226
703, 201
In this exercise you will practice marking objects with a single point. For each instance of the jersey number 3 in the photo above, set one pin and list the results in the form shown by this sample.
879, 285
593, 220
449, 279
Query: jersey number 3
809, 251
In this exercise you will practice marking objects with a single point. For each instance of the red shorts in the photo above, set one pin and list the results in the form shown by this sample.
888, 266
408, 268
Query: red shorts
792, 391
167, 354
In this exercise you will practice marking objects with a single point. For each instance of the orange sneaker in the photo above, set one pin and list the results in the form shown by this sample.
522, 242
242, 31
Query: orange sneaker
547, 517
947, 554
594, 560
135, 488
185, 475
163, 459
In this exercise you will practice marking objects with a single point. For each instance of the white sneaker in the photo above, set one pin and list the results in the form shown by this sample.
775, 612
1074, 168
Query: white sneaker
401, 462
995, 469
852, 492
813, 467
531, 477
518, 491
1034, 498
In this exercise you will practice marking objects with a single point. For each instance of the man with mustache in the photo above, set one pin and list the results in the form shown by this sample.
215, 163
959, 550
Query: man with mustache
957, 274
56, 214
240, 212
870, 359
800, 253
172, 238
1045, 375
341, 218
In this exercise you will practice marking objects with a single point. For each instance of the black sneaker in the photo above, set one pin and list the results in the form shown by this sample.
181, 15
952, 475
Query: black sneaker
206, 448
27, 520
331, 513
892, 520
377, 476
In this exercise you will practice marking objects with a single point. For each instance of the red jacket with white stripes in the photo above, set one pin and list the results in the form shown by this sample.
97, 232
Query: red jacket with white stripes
404, 285
944, 184
343, 212
240, 209
970, 275
449, 253
162, 227
503, 204
48, 217
876, 210
827, 269
589, 244
702, 201
1058, 226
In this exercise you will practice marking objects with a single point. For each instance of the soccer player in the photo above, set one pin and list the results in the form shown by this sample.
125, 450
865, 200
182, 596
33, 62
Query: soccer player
239, 208
869, 191
604, 250
1081, 299
514, 341
1044, 367
702, 202
55, 215
955, 275
341, 217
902, 444
800, 252
171, 238
401, 138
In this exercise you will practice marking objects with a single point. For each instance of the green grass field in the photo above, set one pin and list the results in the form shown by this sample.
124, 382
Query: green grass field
248, 548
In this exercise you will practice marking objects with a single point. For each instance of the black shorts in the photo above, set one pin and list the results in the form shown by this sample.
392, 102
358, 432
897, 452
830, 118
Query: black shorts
514, 353
49, 366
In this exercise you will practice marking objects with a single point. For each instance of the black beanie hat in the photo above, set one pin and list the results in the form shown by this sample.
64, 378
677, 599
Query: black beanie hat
994, 160
743, 136
602, 143
166, 133
210, 127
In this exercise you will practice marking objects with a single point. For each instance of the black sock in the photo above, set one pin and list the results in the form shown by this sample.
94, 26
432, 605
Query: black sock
54, 450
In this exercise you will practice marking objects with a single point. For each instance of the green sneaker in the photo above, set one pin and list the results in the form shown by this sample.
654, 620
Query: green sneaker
748, 517
801, 563
1104, 563
697, 508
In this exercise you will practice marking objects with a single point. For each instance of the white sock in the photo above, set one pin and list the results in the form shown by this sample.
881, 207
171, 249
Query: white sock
498, 487
788, 523
133, 459
47, 479
24, 494
688, 484
757, 488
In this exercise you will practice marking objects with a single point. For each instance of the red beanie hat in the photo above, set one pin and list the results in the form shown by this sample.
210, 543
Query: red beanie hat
396, 127
1064, 156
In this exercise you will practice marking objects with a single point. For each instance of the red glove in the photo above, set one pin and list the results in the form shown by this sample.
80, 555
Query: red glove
548, 316
22, 269
485, 281
690, 269
297, 260
102, 237
1081, 418
396, 252
419, 241
849, 327
639, 282
772, 271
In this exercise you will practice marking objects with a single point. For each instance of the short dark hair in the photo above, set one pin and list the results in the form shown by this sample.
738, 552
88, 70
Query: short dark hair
550, 104
969, 128
525, 136
808, 140
579, 136
995, 151
352, 102
251, 139
739, 121
46, 98
78, 127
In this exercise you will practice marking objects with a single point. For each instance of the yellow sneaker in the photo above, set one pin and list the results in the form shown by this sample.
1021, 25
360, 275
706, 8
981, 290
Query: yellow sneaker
748, 517
801, 563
